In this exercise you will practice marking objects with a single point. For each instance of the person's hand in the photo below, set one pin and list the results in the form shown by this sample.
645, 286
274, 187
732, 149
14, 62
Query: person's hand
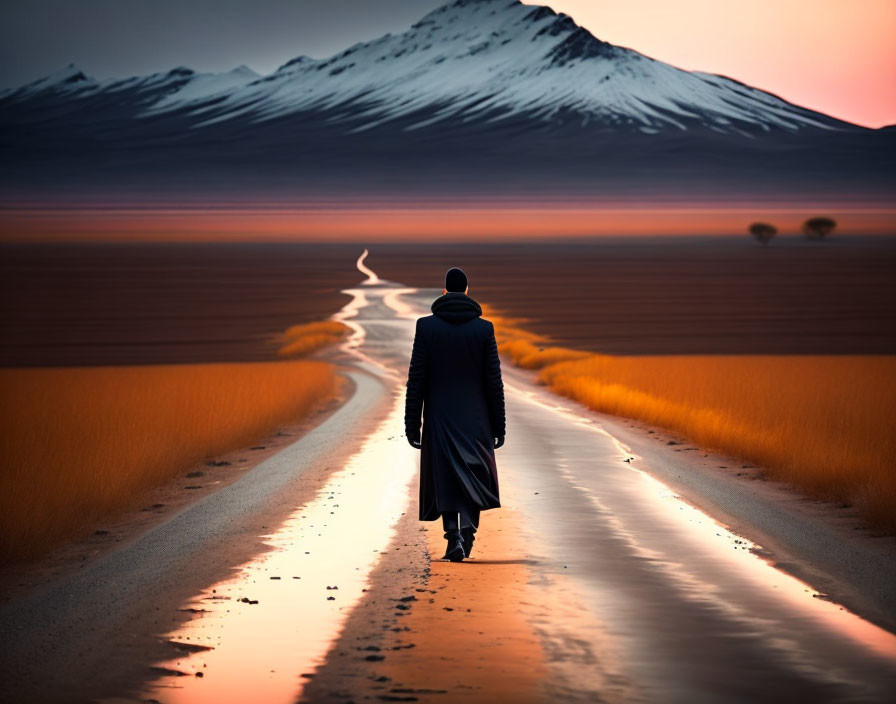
499, 441
414, 441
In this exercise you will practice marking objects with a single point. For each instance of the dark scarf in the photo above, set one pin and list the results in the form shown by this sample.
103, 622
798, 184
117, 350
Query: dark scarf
456, 307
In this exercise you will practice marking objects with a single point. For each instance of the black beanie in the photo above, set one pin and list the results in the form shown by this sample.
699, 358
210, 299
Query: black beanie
455, 280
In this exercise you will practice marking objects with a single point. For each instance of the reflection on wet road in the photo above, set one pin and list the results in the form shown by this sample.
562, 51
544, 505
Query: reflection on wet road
639, 596
254, 635
283, 609
688, 611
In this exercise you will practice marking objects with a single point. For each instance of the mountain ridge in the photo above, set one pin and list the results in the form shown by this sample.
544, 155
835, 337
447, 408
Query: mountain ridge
489, 90
574, 46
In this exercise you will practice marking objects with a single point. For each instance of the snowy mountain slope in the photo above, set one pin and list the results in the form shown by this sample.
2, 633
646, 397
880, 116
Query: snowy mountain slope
504, 58
168, 90
468, 59
476, 94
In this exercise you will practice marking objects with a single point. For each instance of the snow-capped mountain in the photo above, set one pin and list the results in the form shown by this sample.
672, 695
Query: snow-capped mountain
499, 59
475, 90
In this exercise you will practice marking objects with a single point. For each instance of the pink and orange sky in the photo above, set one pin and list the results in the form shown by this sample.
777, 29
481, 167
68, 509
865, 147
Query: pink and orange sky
836, 56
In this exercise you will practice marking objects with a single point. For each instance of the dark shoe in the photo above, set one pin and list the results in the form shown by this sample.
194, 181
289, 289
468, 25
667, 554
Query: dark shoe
469, 536
455, 549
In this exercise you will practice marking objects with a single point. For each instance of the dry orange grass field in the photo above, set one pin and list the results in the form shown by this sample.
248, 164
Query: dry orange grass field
80, 443
300, 340
824, 423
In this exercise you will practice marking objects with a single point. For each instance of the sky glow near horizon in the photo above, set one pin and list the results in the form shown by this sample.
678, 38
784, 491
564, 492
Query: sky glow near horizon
834, 56
446, 223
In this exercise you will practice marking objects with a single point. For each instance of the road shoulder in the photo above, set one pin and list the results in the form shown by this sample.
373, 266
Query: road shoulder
100, 625
824, 544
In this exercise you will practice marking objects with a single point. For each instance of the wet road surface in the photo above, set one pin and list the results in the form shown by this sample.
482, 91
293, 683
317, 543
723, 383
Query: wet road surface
633, 594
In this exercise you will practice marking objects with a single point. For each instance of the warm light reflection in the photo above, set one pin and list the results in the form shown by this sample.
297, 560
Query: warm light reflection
372, 278
832, 412
366, 347
320, 558
349, 311
258, 650
736, 553
718, 559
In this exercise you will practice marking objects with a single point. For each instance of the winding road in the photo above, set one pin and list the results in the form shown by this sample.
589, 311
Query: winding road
627, 590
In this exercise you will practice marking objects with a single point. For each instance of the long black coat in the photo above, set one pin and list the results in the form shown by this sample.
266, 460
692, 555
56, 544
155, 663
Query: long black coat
455, 380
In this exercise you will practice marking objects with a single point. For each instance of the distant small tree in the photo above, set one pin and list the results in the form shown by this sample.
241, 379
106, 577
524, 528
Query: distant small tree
819, 228
763, 231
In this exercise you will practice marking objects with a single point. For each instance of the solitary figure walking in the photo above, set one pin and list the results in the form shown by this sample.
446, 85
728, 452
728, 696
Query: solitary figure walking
454, 379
